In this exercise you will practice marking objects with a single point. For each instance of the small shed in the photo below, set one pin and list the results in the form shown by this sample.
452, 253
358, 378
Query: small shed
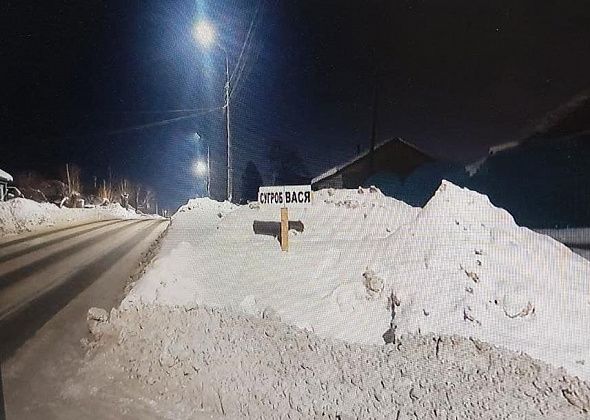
5, 178
393, 155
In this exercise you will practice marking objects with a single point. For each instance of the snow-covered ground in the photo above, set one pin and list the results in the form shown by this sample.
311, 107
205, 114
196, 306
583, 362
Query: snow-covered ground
367, 264
22, 215
170, 363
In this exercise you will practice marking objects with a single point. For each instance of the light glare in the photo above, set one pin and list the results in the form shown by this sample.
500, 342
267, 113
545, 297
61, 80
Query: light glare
199, 168
204, 33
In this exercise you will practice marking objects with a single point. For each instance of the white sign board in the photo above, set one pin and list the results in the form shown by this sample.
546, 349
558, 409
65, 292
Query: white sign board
285, 196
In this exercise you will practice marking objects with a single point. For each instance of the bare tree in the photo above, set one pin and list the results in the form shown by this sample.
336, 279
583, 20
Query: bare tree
71, 175
106, 192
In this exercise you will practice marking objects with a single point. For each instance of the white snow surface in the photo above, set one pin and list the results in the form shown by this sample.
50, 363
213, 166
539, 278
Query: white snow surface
457, 266
23, 215
5, 176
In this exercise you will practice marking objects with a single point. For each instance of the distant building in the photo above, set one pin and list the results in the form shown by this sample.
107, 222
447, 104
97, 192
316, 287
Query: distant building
543, 179
5, 178
394, 156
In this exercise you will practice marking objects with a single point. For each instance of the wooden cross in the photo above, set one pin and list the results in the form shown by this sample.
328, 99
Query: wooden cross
284, 229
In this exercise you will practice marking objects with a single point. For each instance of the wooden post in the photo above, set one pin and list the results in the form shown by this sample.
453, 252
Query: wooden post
284, 229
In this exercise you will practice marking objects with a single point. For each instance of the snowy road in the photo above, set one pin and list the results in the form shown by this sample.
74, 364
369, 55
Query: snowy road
48, 281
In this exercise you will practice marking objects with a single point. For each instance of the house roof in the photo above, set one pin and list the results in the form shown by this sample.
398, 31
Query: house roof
569, 119
336, 169
5, 176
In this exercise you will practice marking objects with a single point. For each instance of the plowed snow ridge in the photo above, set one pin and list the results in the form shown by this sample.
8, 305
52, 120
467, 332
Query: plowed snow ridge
459, 266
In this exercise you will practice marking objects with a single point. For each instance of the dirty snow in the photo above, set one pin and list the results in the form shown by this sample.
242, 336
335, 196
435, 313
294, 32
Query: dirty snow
178, 363
368, 267
23, 215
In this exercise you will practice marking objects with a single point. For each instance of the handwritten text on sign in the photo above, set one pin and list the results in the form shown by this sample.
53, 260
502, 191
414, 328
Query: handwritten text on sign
285, 196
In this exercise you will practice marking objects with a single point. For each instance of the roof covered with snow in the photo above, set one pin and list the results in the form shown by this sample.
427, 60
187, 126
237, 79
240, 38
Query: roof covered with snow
338, 168
570, 118
5, 176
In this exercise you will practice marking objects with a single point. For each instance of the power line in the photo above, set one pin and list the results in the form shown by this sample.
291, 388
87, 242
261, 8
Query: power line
240, 65
149, 111
252, 61
160, 123
169, 111
138, 127
246, 40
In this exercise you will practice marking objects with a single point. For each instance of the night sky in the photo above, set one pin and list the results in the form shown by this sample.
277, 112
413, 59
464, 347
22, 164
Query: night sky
87, 81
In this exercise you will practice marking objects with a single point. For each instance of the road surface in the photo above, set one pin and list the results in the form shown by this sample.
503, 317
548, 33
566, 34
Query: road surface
48, 281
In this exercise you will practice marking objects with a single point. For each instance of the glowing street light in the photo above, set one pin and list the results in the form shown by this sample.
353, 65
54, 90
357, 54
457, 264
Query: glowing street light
201, 168
204, 34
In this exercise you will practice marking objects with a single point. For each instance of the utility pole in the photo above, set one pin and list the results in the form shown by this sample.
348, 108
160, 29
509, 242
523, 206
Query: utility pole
374, 120
376, 87
229, 160
204, 33
208, 172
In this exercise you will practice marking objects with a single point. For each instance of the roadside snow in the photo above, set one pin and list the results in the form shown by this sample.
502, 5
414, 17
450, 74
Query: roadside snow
5, 176
464, 267
368, 266
317, 285
215, 363
23, 215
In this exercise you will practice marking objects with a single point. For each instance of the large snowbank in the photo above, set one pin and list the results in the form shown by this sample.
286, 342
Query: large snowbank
367, 264
23, 215
205, 363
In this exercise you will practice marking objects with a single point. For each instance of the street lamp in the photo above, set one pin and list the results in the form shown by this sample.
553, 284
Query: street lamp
201, 168
204, 34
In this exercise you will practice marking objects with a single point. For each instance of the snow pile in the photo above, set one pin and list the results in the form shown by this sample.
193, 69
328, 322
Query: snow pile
211, 255
5, 176
368, 268
23, 215
117, 211
177, 363
464, 267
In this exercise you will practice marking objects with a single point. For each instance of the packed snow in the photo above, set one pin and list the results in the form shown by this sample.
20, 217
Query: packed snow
215, 363
23, 215
369, 268
5, 176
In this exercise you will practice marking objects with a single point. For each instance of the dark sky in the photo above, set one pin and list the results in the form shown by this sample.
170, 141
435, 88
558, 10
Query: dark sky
454, 77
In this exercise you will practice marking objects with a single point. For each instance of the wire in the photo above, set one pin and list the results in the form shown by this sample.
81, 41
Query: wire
154, 111
245, 41
236, 87
168, 111
160, 123
242, 59
137, 127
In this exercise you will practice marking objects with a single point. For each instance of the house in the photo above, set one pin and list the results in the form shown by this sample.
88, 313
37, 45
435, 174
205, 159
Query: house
542, 179
395, 156
5, 178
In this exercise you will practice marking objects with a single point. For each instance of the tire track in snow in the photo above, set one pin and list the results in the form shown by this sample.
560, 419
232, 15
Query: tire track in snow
22, 272
25, 317
26, 238
29, 249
